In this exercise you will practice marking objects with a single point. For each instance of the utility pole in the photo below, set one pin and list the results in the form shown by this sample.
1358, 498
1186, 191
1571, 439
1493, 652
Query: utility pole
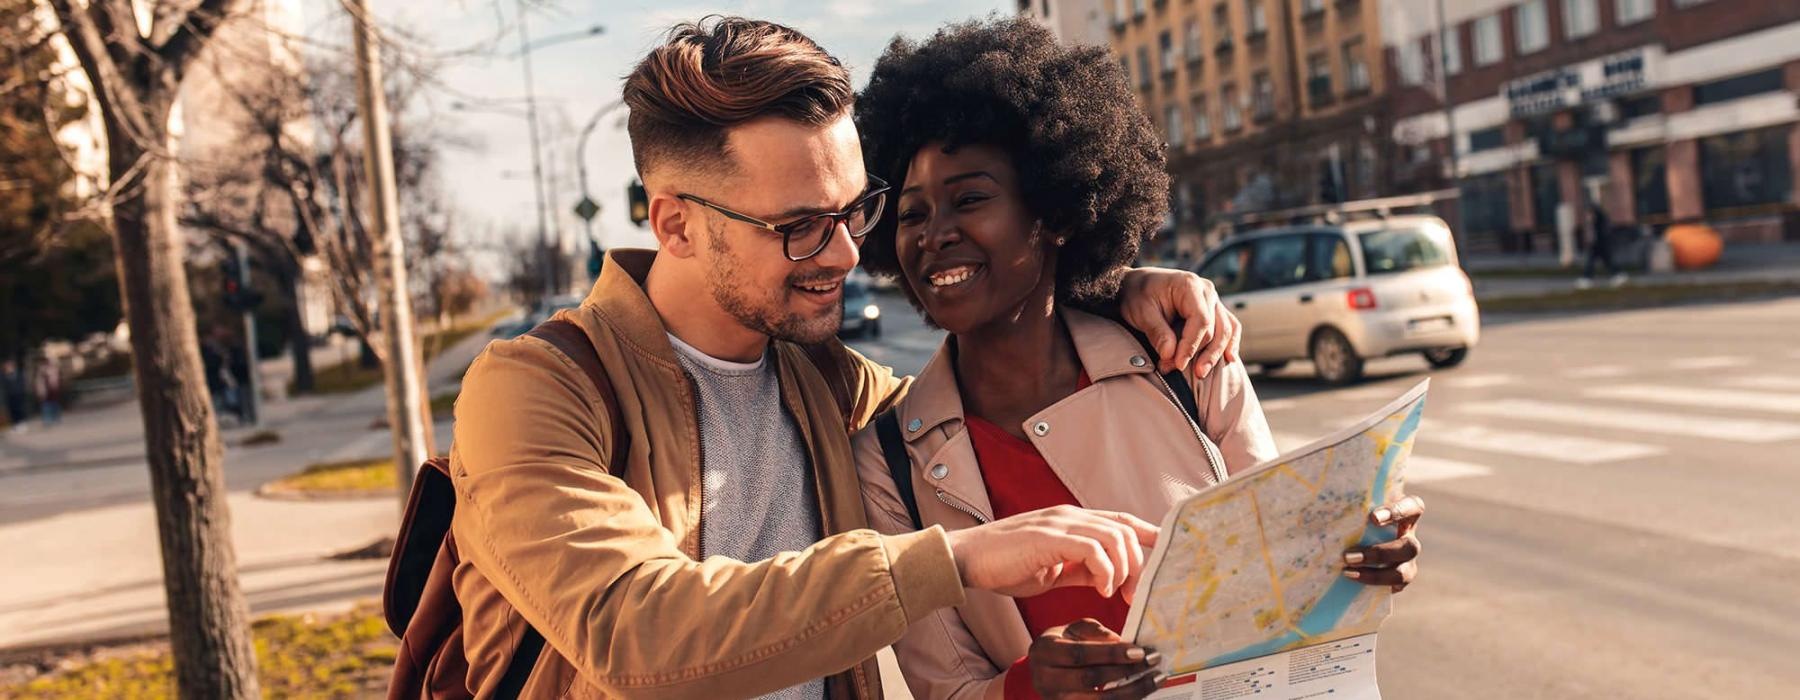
404, 386
537, 160
252, 406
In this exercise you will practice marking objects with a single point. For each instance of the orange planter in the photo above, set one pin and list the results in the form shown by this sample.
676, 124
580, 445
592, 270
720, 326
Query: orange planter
1694, 245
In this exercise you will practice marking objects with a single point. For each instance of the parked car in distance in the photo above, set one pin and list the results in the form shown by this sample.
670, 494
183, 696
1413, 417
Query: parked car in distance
1340, 294
862, 316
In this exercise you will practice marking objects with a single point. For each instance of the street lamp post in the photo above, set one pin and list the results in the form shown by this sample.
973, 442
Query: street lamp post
587, 215
550, 255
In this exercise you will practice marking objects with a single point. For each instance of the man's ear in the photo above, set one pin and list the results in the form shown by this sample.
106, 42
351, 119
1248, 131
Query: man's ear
675, 231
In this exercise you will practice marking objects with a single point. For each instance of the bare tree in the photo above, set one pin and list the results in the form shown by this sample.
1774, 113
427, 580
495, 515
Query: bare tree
136, 78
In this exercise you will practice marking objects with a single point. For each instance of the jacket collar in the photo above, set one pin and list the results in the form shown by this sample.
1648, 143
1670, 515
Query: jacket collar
619, 298
1105, 348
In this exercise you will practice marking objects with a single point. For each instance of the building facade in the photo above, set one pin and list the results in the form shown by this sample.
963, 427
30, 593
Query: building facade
1264, 104
1659, 111
1074, 22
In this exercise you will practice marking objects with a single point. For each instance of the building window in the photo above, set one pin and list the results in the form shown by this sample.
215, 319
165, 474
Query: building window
1165, 44
1412, 62
1650, 181
1144, 68
1746, 168
1190, 42
1312, 7
1580, 18
1452, 53
1120, 13
1487, 40
1318, 77
1257, 18
1641, 106
1740, 86
1486, 204
1172, 120
1532, 25
1046, 5
1356, 70
1202, 120
1234, 115
1137, 8
1222, 21
1485, 139
1263, 96
1689, 3
1630, 11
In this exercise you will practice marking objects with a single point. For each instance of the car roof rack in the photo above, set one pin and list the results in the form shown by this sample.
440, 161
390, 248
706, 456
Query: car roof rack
1333, 214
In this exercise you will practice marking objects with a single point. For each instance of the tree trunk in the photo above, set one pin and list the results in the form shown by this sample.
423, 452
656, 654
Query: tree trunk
209, 622
299, 343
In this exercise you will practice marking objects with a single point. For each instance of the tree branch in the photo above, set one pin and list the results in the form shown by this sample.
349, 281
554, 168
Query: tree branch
190, 37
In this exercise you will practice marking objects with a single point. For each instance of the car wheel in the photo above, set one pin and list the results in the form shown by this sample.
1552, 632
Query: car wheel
1335, 358
1445, 358
1272, 367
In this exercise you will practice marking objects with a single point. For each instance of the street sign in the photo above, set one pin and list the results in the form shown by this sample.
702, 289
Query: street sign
587, 209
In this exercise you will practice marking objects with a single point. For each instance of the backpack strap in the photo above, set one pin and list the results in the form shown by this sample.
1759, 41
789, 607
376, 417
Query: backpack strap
574, 344
893, 451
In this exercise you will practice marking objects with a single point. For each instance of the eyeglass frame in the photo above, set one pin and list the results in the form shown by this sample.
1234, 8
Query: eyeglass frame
879, 188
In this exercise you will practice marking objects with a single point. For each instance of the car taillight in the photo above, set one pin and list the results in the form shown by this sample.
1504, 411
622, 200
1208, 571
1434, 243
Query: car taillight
1360, 299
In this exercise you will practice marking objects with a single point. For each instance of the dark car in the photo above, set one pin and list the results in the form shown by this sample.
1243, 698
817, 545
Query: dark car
862, 317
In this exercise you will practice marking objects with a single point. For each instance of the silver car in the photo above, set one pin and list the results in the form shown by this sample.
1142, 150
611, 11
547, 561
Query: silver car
1340, 294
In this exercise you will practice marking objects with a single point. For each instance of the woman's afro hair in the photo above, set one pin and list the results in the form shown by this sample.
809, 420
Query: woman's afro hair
1089, 161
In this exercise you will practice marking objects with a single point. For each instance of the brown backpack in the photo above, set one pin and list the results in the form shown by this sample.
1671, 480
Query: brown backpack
419, 599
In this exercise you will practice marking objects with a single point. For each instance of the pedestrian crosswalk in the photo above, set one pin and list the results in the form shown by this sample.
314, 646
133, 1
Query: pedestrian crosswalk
1602, 414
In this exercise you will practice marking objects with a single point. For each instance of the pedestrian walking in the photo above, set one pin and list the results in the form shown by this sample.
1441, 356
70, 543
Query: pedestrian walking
1600, 248
48, 385
12, 385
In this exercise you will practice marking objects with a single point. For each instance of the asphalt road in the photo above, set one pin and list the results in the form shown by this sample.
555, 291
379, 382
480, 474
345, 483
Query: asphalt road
1614, 502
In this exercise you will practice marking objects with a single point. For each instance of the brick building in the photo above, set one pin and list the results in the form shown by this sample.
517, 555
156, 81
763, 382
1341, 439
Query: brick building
1264, 103
1662, 111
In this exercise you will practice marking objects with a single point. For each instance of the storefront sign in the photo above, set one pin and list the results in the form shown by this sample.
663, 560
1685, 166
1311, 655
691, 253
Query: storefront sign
1622, 73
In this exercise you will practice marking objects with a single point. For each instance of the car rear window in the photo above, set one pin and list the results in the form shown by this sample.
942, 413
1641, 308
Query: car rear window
1402, 249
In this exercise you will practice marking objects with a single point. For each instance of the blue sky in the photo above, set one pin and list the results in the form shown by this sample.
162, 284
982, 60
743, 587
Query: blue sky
490, 182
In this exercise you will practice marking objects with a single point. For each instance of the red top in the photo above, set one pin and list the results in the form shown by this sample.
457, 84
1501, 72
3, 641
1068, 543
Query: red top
1019, 480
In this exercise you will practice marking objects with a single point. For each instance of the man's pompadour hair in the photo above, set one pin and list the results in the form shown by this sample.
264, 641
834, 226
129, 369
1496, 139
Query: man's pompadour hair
721, 71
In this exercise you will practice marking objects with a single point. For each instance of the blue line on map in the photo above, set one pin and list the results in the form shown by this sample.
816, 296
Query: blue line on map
1330, 608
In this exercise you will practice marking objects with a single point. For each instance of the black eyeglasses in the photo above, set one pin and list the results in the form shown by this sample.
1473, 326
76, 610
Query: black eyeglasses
806, 237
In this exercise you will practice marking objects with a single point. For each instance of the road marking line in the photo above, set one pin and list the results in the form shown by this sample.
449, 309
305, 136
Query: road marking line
1786, 383
1481, 381
1728, 429
1524, 443
1704, 398
1421, 469
1717, 362
1597, 372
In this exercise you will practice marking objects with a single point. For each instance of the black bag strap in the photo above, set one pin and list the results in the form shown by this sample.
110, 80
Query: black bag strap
1177, 379
893, 450
573, 343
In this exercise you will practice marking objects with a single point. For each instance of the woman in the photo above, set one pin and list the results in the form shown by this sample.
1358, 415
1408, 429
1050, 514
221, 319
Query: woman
1027, 181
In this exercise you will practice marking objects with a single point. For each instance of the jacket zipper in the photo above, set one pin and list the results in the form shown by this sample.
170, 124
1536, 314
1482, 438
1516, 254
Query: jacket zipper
693, 393
1213, 459
958, 505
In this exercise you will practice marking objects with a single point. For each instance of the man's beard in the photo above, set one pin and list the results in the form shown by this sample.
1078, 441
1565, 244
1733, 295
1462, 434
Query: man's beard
764, 310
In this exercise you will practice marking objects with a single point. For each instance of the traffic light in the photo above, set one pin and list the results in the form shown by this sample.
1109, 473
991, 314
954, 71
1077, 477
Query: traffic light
640, 202
236, 295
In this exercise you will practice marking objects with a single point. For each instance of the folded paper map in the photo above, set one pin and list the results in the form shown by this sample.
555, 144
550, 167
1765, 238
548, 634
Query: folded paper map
1245, 594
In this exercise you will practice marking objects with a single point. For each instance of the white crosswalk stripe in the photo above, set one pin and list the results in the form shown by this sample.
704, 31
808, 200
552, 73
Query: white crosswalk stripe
1597, 372
1421, 469
1701, 398
1766, 382
1599, 416
1525, 443
1481, 381
1717, 362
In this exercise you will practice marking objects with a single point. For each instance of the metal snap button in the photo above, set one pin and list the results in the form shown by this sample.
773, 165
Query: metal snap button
913, 426
1041, 429
1138, 361
939, 471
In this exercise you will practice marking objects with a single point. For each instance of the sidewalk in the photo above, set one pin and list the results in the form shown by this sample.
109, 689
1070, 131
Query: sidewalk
80, 535
1518, 276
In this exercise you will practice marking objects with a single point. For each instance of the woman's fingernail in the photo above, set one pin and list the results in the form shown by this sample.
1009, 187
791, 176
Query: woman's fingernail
1153, 659
1382, 515
1352, 574
1353, 558
1134, 654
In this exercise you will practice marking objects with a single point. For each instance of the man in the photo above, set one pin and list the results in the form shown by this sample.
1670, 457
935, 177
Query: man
735, 447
